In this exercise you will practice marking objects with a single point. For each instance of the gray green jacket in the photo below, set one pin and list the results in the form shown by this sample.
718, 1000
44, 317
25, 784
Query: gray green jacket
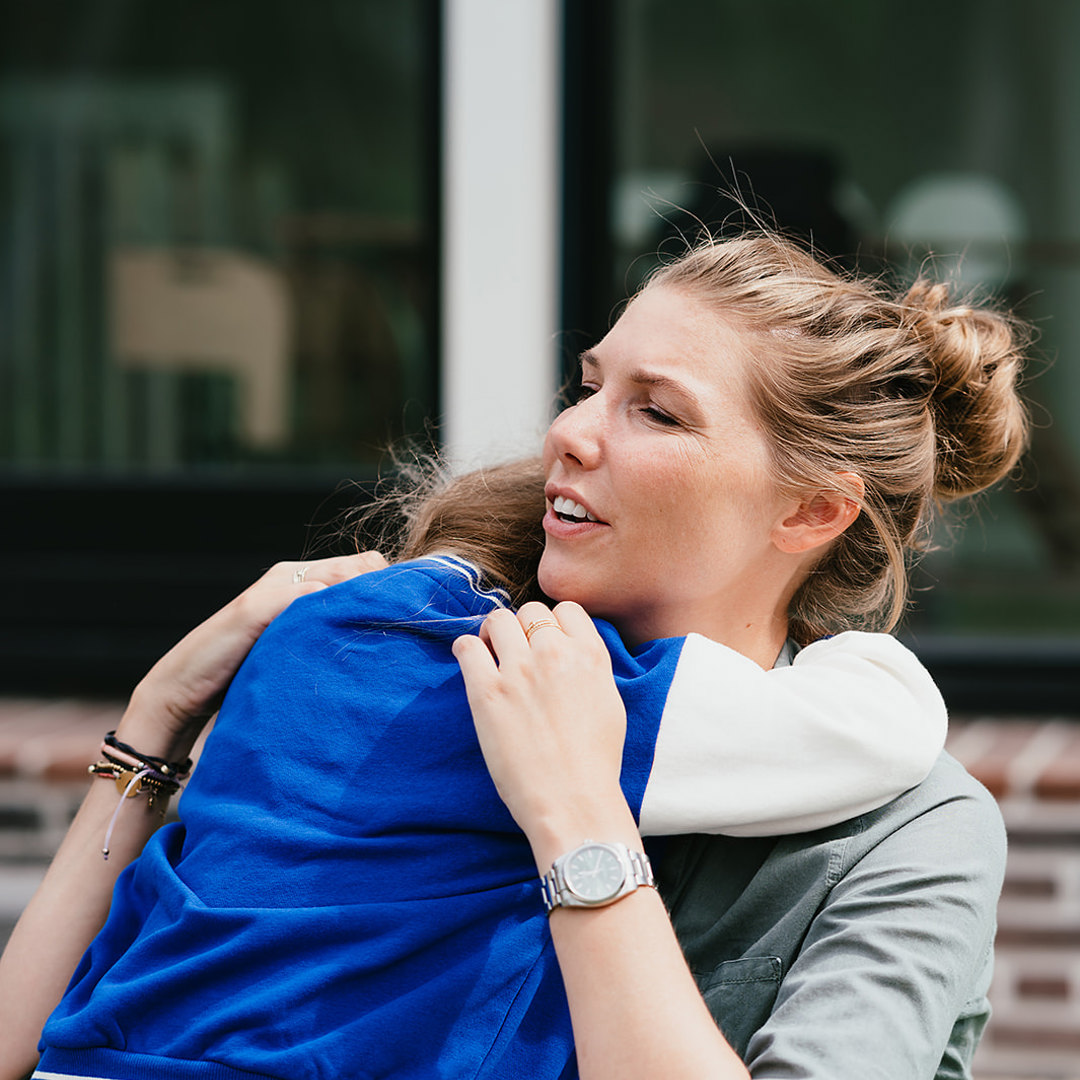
860, 951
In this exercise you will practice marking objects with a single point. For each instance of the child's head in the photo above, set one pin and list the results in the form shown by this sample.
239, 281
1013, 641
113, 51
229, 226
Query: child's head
492, 516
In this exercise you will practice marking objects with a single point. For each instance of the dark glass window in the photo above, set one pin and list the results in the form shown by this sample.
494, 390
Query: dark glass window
216, 235
218, 297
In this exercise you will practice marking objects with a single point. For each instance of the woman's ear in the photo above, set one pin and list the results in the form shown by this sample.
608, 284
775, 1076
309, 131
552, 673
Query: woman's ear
820, 517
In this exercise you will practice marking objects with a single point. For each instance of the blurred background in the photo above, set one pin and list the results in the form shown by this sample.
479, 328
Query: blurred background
244, 246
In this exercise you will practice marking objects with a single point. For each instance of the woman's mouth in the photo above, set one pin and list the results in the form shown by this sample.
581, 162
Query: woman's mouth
567, 510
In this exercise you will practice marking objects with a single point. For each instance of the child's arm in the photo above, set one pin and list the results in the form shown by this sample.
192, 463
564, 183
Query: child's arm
167, 711
853, 722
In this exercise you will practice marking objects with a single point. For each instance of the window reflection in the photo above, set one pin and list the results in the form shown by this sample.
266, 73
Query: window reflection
215, 232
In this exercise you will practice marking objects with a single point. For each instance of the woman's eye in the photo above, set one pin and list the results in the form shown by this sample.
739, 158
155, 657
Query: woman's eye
584, 391
658, 416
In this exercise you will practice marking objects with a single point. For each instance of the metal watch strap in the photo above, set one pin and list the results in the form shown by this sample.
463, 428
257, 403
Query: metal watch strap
552, 884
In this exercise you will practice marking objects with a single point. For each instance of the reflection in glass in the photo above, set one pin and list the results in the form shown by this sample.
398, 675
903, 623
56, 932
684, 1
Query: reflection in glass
215, 233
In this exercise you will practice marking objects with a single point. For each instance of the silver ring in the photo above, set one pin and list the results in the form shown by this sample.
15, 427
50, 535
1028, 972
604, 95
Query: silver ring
298, 576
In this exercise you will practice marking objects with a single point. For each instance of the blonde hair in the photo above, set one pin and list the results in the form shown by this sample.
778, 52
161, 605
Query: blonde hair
916, 393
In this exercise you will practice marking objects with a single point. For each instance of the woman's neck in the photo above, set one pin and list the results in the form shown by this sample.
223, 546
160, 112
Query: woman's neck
759, 639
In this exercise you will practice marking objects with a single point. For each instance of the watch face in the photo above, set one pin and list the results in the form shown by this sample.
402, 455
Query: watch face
594, 873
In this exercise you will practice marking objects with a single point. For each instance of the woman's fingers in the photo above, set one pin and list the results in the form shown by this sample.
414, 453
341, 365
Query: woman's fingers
539, 623
502, 632
263, 601
253, 610
327, 571
476, 661
574, 619
537, 626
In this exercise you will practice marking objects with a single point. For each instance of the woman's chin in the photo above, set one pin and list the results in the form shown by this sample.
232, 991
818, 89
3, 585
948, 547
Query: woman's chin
558, 584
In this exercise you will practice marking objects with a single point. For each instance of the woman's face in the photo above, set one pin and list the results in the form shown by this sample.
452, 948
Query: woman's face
660, 505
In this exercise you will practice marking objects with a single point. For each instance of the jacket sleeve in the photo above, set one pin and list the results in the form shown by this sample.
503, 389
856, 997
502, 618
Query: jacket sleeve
854, 721
891, 980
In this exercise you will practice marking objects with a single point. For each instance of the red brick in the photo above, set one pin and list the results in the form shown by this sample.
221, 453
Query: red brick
1001, 742
1033, 986
1036, 1038
56, 739
1028, 888
1060, 780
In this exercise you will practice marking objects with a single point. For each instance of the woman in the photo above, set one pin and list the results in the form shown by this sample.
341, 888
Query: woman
665, 435
742, 368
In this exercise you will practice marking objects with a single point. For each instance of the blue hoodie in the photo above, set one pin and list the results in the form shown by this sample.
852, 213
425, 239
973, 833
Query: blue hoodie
347, 895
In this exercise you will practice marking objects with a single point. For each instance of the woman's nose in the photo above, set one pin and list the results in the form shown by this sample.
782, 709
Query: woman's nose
577, 432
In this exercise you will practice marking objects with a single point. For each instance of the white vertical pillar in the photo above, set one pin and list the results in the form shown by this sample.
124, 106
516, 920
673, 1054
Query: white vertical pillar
501, 225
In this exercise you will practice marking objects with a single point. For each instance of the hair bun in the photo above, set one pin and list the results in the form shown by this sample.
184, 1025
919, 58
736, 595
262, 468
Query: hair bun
979, 418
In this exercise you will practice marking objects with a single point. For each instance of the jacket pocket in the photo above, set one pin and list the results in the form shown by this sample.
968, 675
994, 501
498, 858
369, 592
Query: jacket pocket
740, 995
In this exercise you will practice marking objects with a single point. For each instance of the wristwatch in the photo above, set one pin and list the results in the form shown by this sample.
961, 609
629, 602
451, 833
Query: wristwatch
593, 875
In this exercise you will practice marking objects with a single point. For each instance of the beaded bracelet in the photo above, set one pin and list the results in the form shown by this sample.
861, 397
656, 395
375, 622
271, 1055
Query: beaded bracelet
134, 773
130, 782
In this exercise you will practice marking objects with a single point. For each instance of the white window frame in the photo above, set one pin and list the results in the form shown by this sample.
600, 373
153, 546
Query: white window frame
501, 226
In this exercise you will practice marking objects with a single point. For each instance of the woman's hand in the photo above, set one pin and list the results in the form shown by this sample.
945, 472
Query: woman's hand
551, 725
184, 688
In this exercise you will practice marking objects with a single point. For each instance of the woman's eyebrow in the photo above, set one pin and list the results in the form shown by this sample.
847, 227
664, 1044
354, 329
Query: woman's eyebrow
648, 378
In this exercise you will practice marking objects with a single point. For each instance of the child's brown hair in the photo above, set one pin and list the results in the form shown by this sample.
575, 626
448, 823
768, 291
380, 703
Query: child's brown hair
491, 516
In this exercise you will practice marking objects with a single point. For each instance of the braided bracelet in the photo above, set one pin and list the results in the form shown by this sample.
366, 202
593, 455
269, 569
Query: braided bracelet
134, 773
156, 786
178, 769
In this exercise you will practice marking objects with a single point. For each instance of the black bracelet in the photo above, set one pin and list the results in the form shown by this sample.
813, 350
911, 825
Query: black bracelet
166, 768
154, 782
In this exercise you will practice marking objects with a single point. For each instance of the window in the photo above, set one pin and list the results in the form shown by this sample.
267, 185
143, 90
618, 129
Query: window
217, 233
218, 297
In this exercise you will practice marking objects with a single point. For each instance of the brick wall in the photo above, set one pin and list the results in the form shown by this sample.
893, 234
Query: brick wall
1032, 767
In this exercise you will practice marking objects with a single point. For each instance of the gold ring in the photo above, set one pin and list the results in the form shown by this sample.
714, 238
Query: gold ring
539, 624
299, 575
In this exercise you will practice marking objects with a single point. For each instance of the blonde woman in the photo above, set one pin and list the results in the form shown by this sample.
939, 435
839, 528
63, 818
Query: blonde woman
749, 381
